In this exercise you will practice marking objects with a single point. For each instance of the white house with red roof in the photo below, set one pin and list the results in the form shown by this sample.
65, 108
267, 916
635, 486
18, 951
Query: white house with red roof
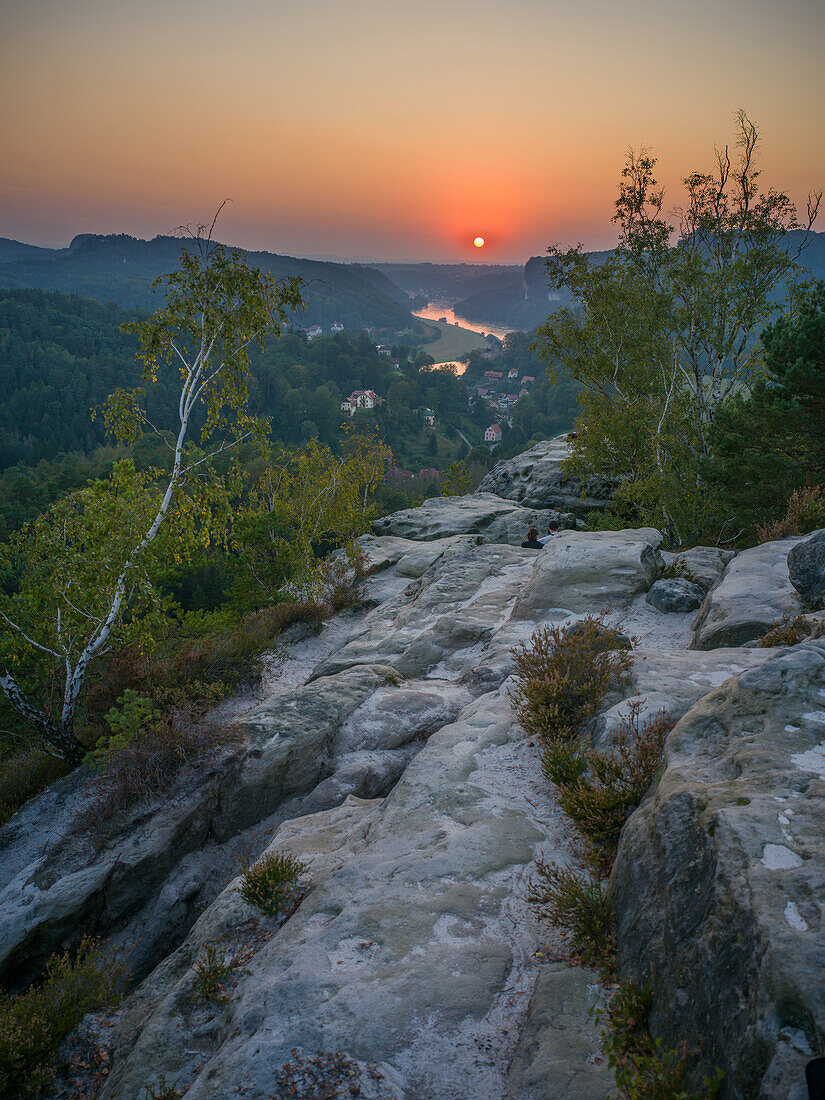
360, 399
493, 434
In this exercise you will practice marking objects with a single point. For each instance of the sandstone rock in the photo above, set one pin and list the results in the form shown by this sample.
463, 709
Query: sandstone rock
675, 594
705, 564
720, 878
587, 571
536, 480
412, 948
484, 514
754, 592
806, 568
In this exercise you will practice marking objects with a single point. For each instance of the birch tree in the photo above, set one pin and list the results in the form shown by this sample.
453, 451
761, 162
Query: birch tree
79, 580
666, 331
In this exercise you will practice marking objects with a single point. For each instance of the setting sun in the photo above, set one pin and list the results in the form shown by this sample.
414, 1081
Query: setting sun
479, 242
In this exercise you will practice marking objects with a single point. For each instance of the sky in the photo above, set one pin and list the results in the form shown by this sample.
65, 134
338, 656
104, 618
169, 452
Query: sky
389, 129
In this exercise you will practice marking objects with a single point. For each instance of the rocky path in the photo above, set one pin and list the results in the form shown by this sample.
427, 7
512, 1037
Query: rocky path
385, 752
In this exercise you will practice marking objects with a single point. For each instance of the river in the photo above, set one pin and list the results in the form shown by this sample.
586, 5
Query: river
436, 310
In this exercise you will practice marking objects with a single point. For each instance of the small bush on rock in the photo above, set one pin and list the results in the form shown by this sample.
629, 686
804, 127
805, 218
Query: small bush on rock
271, 884
645, 1069
563, 762
33, 1024
212, 968
577, 903
679, 568
789, 630
611, 786
564, 675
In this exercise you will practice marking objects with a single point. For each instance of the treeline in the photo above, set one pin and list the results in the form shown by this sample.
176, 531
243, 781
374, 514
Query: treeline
61, 355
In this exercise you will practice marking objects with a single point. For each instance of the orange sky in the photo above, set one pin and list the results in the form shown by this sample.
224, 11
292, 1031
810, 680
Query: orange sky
388, 128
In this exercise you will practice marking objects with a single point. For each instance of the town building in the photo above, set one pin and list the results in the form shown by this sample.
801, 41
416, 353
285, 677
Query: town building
384, 349
491, 374
336, 326
526, 379
493, 434
313, 331
512, 372
429, 473
429, 417
361, 399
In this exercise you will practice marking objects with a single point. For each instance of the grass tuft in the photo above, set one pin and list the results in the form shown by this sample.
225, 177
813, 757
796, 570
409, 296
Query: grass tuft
271, 884
576, 903
212, 968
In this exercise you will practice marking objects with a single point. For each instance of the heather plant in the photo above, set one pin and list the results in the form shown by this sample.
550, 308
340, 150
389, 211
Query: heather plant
576, 902
564, 674
805, 513
644, 1068
789, 630
212, 969
34, 1023
612, 784
271, 884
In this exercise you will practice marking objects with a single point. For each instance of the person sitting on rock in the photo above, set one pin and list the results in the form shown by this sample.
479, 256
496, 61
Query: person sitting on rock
552, 529
532, 540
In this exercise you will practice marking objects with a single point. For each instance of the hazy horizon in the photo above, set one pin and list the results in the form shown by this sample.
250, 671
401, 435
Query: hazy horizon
384, 130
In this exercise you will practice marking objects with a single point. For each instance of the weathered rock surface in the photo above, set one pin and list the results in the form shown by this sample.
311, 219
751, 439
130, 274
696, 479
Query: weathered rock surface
536, 480
806, 569
484, 514
591, 570
705, 564
753, 593
720, 879
412, 948
675, 594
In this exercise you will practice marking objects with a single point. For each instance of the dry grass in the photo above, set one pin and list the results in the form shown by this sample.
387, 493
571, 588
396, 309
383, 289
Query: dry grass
152, 760
805, 513
24, 775
789, 630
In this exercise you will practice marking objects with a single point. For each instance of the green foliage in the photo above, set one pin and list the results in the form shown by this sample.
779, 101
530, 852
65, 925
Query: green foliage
271, 884
563, 760
136, 714
34, 1023
211, 969
767, 443
577, 903
645, 1069
162, 1090
662, 336
564, 675
457, 481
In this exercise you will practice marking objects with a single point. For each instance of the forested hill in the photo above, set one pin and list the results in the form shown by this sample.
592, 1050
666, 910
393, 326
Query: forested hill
120, 269
525, 302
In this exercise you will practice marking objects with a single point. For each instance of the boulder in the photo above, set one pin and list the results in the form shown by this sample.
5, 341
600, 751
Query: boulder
720, 877
753, 593
537, 479
704, 564
675, 594
806, 569
484, 514
588, 571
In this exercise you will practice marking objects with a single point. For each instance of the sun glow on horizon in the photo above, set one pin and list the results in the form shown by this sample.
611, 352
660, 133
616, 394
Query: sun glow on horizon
479, 242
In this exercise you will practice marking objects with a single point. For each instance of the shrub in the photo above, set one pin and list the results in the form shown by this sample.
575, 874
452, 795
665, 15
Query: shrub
805, 513
789, 630
33, 1024
212, 968
24, 775
271, 884
162, 1090
576, 903
563, 762
152, 759
343, 578
564, 675
602, 797
680, 568
644, 1068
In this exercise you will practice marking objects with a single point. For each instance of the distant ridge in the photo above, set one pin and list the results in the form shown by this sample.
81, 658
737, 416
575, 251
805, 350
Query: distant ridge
119, 268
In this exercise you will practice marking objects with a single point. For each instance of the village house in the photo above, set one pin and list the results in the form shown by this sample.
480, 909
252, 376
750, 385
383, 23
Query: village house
491, 374
384, 349
429, 417
526, 379
493, 434
313, 331
336, 326
361, 399
429, 473
512, 373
